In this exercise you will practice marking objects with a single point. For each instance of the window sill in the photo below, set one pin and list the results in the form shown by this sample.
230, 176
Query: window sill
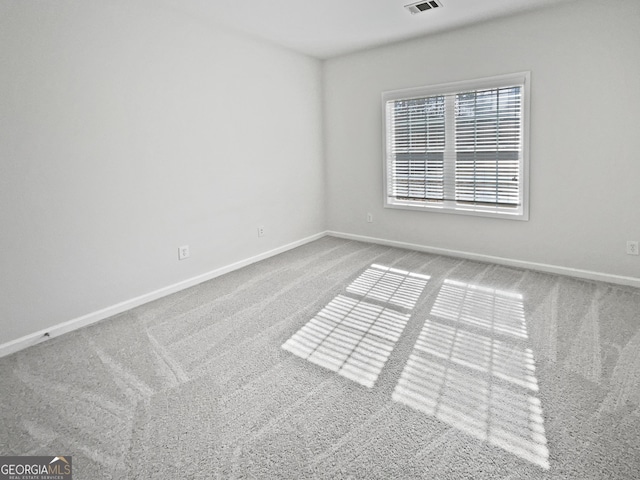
476, 211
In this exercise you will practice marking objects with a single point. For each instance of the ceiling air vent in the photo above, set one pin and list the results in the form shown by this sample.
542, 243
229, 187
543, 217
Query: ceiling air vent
423, 6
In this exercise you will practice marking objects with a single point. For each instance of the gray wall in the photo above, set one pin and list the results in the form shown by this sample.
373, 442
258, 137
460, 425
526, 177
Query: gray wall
584, 59
129, 130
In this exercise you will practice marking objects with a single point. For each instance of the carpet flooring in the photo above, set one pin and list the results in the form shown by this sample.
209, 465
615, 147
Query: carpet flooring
341, 359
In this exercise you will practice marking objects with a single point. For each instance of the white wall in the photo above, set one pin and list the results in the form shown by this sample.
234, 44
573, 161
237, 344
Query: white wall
584, 59
129, 130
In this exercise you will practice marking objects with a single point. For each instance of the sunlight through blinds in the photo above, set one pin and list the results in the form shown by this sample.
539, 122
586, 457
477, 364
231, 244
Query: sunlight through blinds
417, 170
488, 134
462, 149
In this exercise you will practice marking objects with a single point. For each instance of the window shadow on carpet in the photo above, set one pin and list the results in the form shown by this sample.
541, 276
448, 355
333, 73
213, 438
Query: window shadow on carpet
355, 333
471, 368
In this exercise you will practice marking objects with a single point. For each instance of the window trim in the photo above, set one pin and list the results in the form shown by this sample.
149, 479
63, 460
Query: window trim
450, 207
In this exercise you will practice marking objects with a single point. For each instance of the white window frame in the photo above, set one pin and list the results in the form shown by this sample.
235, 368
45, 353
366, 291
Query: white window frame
450, 206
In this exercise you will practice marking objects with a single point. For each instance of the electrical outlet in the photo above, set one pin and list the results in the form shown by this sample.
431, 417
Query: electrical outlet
632, 247
369, 217
260, 231
183, 252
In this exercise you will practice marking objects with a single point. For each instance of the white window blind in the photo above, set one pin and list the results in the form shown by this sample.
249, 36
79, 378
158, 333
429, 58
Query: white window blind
458, 147
417, 148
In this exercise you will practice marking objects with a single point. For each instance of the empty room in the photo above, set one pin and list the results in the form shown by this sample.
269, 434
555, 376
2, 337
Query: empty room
340, 239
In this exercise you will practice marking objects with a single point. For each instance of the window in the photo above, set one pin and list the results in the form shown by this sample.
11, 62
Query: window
459, 147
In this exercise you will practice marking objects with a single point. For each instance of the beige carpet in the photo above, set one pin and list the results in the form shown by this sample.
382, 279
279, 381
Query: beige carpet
343, 360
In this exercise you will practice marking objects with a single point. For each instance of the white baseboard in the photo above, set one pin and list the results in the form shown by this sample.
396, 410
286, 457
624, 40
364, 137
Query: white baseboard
542, 267
76, 323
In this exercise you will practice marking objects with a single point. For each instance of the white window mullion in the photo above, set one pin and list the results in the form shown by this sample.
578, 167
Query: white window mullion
449, 150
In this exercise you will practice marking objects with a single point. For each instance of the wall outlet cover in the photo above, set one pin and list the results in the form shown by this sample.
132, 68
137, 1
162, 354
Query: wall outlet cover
183, 252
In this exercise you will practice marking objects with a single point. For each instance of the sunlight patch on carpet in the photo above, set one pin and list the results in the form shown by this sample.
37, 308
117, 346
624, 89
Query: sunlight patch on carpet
355, 333
389, 285
471, 368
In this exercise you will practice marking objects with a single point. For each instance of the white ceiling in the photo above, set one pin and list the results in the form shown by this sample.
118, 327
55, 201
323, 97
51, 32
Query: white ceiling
327, 28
